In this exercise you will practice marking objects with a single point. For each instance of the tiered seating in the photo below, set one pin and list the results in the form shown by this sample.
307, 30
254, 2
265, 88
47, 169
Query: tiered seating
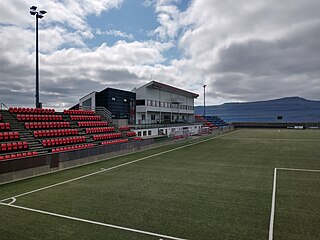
130, 134
92, 124
114, 141
107, 136
124, 128
4, 136
63, 141
17, 155
4, 126
13, 146
99, 130
17, 110
55, 132
85, 118
28, 118
78, 112
39, 125
70, 148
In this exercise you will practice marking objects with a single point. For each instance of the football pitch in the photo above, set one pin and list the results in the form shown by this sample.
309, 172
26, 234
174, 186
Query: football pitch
246, 184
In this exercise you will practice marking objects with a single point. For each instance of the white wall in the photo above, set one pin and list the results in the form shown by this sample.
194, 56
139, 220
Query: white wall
93, 99
177, 130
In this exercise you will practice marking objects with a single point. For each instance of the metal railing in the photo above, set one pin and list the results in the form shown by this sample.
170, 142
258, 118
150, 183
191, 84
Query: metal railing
2, 104
100, 111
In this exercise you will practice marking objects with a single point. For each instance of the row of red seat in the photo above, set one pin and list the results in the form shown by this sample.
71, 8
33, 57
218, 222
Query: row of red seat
27, 117
70, 148
92, 124
130, 134
138, 138
114, 141
85, 118
63, 141
17, 155
38, 125
31, 110
4, 126
178, 137
8, 136
124, 128
78, 112
107, 136
10, 146
99, 130
55, 132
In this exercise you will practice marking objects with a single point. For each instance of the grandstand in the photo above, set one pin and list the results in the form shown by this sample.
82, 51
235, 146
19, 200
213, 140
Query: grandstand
27, 132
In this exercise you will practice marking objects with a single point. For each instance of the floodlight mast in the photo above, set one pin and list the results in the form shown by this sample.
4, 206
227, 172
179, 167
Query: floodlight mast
204, 100
38, 14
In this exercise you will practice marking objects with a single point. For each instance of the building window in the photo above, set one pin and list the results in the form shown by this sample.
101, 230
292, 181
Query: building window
113, 99
143, 116
153, 117
140, 102
139, 133
144, 133
149, 132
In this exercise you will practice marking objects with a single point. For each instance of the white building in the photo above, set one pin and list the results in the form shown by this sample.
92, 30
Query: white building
160, 103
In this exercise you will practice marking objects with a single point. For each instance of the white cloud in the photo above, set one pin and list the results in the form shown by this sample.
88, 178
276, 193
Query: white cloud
243, 50
115, 33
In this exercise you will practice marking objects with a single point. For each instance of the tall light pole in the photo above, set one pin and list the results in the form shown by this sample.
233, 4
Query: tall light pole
38, 14
204, 100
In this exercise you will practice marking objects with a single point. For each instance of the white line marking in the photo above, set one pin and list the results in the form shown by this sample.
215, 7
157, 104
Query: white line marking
111, 168
273, 204
13, 200
297, 169
277, 139
93, 222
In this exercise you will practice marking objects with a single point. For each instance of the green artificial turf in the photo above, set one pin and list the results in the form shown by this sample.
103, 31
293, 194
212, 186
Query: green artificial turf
218, 189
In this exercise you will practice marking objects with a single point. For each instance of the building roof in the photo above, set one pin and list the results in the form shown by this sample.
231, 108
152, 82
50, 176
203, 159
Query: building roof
168, 88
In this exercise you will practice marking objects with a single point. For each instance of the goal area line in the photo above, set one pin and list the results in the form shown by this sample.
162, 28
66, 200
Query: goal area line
273, 202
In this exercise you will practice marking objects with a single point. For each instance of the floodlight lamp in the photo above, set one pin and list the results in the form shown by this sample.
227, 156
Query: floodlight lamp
39, 16
33, 8
42, 12
33, 12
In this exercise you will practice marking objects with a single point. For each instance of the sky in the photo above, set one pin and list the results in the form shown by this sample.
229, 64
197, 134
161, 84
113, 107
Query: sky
248, 50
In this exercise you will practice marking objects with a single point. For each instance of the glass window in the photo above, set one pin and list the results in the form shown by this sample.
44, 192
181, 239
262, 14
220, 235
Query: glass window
143, 116
139, 133
140, 102
153, 117
149, 132
144, 133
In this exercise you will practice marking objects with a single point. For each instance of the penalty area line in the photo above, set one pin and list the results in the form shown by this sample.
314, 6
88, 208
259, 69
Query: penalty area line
273, 203
93, 222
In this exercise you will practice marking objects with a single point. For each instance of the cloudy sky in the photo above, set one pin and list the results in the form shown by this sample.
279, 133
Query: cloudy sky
242, 50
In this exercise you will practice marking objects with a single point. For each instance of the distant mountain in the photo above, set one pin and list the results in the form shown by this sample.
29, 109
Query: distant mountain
289, 109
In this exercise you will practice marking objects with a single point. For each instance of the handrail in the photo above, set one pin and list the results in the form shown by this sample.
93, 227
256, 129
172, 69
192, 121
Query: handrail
100, 111
4, 106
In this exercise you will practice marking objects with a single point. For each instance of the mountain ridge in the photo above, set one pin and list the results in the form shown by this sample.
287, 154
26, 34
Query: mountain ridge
292, 109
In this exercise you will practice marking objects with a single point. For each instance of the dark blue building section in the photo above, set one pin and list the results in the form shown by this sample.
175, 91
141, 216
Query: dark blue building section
287, 110
122, 104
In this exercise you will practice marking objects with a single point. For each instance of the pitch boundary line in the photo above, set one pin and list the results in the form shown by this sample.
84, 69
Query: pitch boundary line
273, 202
111, 168
277, 139
93, 222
